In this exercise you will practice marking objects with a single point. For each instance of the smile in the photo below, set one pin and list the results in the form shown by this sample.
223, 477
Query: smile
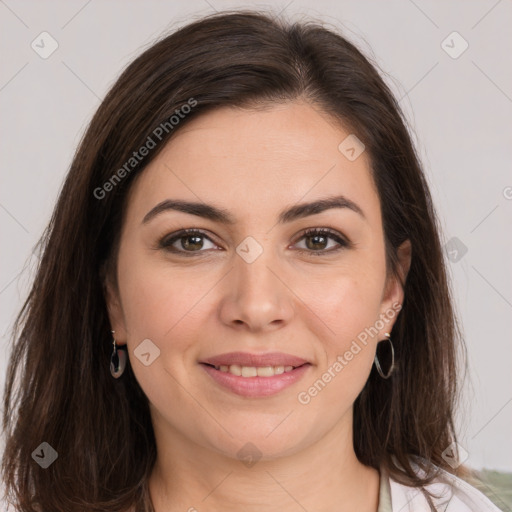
255, 381
254, 371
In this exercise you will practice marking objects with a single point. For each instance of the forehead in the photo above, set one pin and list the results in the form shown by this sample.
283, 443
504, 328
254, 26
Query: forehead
256, 161
293, 131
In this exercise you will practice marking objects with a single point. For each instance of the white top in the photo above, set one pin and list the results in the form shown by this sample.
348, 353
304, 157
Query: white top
450, 494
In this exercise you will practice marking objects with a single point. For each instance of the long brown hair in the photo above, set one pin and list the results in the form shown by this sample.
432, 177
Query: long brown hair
59, 389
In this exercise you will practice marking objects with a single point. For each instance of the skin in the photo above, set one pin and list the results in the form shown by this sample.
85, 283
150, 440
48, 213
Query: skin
254, 164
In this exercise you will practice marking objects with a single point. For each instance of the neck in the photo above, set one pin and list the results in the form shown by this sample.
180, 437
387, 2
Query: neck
325, 476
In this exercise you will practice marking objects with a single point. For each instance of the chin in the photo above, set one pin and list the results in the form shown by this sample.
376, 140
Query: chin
256, 440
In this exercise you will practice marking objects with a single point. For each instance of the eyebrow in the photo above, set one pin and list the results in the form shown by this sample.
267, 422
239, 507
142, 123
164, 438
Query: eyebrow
223, 216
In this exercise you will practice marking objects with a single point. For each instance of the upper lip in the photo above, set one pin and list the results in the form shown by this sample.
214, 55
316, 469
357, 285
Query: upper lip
248, 359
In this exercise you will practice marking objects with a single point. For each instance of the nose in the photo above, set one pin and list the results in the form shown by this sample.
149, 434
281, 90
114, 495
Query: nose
256, 296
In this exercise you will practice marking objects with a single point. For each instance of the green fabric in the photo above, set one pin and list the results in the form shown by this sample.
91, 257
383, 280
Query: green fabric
384, 493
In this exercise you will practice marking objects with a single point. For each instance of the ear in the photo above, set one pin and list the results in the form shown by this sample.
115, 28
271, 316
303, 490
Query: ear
115, 311
394, 292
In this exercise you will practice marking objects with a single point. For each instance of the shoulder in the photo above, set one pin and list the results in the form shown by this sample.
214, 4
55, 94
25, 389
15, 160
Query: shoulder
449, 494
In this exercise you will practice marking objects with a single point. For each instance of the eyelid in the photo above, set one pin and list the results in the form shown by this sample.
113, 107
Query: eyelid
343, 242
167, 240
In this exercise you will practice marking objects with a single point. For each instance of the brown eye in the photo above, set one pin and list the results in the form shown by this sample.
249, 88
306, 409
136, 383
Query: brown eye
185, 241
317, 241
189, 242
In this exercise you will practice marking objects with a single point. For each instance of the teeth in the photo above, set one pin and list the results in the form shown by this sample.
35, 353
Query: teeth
249, 371
253, 371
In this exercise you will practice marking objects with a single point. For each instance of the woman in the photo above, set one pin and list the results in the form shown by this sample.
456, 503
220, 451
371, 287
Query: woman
242, 302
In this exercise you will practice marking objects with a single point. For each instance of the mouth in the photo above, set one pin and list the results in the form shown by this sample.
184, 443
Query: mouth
254, 371
255, 376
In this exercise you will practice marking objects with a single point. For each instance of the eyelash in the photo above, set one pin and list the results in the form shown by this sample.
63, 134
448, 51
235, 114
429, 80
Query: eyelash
167, 241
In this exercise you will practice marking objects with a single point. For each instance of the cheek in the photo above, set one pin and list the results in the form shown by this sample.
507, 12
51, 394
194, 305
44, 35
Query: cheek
344, 303
157, 298
348, 307
160, 305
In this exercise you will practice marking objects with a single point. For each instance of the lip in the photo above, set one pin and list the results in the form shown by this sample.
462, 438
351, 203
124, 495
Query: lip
256, 386
248, 359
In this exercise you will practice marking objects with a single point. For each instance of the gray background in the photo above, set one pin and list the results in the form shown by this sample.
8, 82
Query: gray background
459, 110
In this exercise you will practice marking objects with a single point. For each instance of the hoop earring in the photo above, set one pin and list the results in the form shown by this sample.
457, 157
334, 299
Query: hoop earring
117, 360
377, 363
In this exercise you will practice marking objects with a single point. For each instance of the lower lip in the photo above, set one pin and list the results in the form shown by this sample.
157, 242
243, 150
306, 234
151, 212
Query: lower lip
256, 386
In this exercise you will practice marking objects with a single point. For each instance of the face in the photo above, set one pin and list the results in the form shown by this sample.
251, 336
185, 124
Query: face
286, 300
